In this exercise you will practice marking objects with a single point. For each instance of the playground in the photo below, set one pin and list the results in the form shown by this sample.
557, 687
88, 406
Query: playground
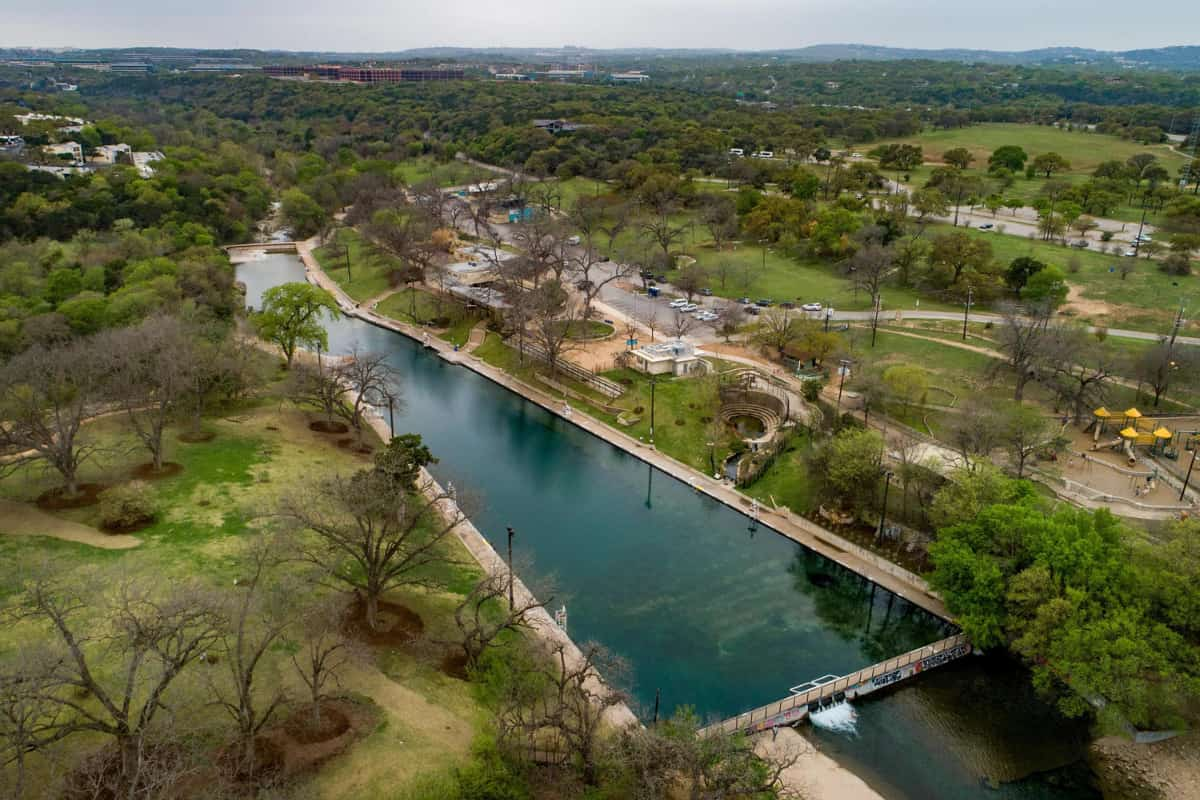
1138, 460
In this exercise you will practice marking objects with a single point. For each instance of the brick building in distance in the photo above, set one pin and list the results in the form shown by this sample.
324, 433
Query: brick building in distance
338, 72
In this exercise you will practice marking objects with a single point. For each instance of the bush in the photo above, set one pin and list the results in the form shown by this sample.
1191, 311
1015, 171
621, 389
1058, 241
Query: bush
811, 390
127, 506
1106, 236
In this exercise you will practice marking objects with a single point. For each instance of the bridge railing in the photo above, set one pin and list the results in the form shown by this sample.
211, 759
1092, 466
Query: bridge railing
801, 701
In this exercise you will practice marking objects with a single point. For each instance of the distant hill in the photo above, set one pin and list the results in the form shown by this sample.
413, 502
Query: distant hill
1181, 58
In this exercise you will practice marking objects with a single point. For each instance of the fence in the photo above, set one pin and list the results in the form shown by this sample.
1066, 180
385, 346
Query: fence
602, 385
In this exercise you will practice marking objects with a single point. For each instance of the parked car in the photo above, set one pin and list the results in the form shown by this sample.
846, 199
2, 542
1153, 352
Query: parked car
688, 308
811, 306
787, 304
573, 240
1131, 253
987, 226
706, 292
744, 301
679, 303
766, 302
1082, 244
753, 311
706, 316
1143, 238
660, 278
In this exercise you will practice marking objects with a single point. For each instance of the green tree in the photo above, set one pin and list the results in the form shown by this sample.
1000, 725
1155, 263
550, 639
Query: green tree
850, 468
1009, 157
907, 383
1046, 288
1047, 164
303, 214
1021, 270
959, 157
291, 317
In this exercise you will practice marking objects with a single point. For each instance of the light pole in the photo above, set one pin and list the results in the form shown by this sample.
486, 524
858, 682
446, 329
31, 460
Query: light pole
511, 533
1137, 242
1188, 479
843, 368
828, 316
653, 384
967, 309
887, 482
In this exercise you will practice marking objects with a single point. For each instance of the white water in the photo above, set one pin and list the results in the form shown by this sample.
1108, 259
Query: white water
839, 718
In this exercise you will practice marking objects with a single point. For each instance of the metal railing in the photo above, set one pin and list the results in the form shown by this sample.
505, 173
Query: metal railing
750, 718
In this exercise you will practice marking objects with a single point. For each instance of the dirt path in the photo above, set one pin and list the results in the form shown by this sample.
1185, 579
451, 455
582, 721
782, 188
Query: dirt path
1084, 307
477, 337
23, 519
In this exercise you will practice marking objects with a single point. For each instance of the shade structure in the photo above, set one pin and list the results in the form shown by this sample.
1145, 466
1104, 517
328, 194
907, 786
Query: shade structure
1163, 433
1102, 413
1133, 413
1129, 433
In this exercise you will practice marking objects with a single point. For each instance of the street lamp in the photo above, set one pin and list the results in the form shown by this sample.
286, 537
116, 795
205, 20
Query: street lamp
967, 309
1188, 479
511, 533
887, 482
653, 384
843, 368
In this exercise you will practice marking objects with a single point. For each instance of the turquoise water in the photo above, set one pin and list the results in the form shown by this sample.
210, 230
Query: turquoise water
711, 613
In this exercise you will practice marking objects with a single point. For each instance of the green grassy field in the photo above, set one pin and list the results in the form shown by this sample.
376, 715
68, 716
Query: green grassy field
224, 493
1084, 150
368, 270
450, 173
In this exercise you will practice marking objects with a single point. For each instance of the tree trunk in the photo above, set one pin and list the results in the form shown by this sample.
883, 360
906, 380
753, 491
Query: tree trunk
131, 763
372, 605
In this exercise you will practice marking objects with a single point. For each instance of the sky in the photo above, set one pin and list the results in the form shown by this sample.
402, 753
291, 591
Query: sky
381, 25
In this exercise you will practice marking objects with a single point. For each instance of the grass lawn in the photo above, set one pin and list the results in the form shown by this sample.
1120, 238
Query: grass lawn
787, 482
368, 270
1147, 299
401, 305
450, 173
572, 189
259, 452
1084, 150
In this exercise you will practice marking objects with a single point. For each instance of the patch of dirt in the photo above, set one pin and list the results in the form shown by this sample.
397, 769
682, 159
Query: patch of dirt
58, 500
147, 472
398, 625
24, 519
1168, 769
354, 446
325, 426
300, 726
348, 721
454, 665
124, 529
196, 437
1084, 307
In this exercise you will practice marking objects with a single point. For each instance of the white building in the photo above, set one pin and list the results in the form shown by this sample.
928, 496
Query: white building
676, 358
110, 153
25, 119
143, 160
629, 77
72, 149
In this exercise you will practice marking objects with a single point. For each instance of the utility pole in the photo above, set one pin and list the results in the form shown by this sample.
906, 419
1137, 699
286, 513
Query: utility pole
653, 383
1175, 328
1188, 479
967, 310
1137, 242
875, 319
843, 368
887, 482
511, 604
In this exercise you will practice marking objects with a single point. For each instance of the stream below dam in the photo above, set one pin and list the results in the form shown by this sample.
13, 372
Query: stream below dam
713, 614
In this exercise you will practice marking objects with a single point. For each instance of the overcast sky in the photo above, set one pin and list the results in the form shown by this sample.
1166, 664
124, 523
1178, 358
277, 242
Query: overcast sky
376, 25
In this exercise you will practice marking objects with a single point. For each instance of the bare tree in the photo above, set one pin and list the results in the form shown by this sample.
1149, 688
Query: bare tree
719, 215
371, 535
650, 320
730, 317
1081, 369
484, 614
325, 651
553, 322
1023, 340
1161, 365
29, 720
46, 394
680, 324
617, 218
112, 677
777, 329
258, 619
976, 431
591, 277
571, 707
403, 235
662, 231
691, 281
150, 375
311, 385
368, 379
869, 267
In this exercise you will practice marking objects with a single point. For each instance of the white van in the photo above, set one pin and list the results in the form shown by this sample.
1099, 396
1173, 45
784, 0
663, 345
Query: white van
737, 151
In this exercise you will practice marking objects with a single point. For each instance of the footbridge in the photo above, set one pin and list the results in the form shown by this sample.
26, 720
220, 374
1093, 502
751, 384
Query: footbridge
830, 690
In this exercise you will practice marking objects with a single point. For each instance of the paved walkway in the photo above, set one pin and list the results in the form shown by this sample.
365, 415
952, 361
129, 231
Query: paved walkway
477, 337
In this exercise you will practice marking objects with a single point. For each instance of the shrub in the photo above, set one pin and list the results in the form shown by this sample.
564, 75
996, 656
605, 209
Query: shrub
811, 390
127, 506
1106, 236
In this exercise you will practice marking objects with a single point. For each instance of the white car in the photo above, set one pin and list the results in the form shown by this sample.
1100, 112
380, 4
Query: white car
1131, 253
1143, 238
811, 307
706, 316
573, 240
680, 303
688, 308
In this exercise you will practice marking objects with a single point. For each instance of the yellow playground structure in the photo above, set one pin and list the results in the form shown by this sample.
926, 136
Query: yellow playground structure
1133, 430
